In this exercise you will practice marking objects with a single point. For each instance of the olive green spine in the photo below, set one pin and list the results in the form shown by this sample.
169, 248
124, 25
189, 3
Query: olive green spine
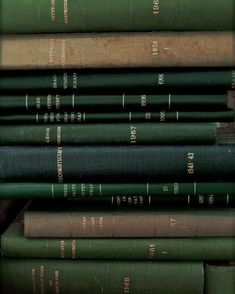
212, 194
143, 15
220, 278
131, 134
84, 117
114, 82
15, 245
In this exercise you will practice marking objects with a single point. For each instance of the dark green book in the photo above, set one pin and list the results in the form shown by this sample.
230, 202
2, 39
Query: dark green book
62, 219
29, 104
32, 276
118, 134
117, 117
115, 81
220, 278
188, 163
201, 194
15, 245
142, 15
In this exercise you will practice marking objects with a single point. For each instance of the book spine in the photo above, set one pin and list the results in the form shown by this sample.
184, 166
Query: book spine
146, 15
122, 103
89, 117
128, 223
219, 278
37, 275
109, 134
117, 163
128, 194
15, 245
118, 50
114, 81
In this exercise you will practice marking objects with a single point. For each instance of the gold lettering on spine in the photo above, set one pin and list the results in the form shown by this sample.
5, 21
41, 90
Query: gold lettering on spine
54, 82
74, 249
66, 12
75, 80
161, 79
57, 282
156, 7
49, 101
162, 116
63, 52
190, 164
133, 134
42, 279
62, 249
33, 274
65, 80
233, 79
126, 285
48, 136
143, 100
51, 52
53, 10
59, 135
152, 251
176, 188
155, 48
60, 176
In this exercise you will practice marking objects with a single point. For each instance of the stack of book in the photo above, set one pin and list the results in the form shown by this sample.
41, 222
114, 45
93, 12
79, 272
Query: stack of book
118, 122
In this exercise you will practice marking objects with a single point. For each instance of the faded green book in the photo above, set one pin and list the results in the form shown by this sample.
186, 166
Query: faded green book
15, 245
35, 276
118, 134
220, 278
110, 15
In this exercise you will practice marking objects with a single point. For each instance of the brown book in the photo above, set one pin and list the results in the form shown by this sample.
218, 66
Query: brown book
156, 49
71, 221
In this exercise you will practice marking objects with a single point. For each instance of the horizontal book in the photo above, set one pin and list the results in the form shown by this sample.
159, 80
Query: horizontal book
116, 117
57, 276
118, 134
211, 194
118, 50
142, 15
220, 278
71, 220
114, 81
188, 163
15, 245
118, 103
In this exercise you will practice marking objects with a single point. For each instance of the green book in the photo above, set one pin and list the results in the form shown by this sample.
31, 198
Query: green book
108, 15
134, 133
107, 117
32, 276
210, 194
61, 219
115, 81
15, 245
146, 163
220, 278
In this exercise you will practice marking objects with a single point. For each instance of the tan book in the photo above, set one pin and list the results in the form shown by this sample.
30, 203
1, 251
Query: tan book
156, 49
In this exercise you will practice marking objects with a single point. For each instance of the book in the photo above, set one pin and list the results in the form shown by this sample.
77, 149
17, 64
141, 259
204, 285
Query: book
37, 275
118, 134
74, 117
143, 15
220, 278
30, 103
188, 163
210, 194
118, 50
115, 81
71, 220
15, 245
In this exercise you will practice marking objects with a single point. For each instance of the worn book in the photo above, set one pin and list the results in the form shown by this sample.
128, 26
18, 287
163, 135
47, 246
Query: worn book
118, 50
15, 245
70, 276
108, 15
71, 220
188, 163
114, 81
